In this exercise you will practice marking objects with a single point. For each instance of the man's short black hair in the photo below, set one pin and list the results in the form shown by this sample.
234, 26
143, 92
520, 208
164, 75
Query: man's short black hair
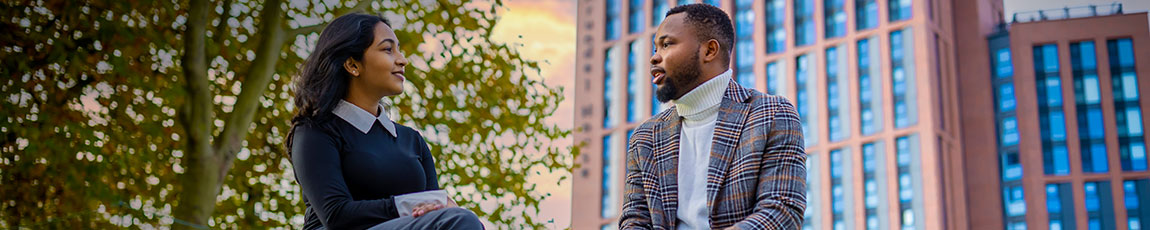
710, 22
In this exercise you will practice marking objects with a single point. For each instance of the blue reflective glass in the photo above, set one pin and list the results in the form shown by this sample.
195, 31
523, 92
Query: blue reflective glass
866, 14
776, 29
1006, 101
613, 24
636, 16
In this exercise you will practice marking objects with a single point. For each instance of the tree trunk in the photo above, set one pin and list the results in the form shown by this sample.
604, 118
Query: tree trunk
198, 186
207, 164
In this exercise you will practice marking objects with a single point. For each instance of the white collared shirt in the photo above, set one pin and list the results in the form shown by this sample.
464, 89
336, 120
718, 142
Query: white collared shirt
699, 109
363, 120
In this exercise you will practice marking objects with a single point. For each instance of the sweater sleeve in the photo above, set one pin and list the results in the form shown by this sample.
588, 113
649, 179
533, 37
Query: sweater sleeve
316, 159
428, 164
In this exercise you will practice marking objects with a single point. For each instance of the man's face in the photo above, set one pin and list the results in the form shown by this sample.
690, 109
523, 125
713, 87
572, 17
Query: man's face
675, 66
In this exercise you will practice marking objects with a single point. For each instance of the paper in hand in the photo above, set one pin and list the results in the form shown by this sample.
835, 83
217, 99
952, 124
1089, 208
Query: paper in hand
406, 203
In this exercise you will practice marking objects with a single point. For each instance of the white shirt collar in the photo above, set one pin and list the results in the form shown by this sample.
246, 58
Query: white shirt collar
703, 101
362, 119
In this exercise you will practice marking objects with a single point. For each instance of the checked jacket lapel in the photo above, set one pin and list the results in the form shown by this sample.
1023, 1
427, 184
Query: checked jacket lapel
728, 127
666, 157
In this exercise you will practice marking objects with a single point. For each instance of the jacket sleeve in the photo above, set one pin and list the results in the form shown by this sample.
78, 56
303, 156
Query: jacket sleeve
636, 211
782, 181
316, 159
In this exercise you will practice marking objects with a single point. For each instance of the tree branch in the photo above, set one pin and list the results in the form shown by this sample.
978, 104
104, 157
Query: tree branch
271, 43
357, 8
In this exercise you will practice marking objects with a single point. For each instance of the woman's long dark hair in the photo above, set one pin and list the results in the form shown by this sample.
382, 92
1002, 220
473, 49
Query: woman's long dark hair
323, 81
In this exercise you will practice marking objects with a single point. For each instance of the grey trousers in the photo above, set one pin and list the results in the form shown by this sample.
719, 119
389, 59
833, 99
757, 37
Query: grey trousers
442, 219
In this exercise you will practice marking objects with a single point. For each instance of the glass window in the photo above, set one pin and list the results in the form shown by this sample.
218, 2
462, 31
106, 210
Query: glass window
899, 10
745, 43
836, 18
814, 184
636, 16
1091, 132
717, 3
1060, 206
1011, 166
1127, 107
908, 182
1099, 208
1003, 66
804, 22
804, 80
1009, 131
866, 14
1051, 118
608, 91
1015, 201
870, 87
902, 77
660, 9
613, 23
837, 109
775, 78
685, 2
608, 203
872, 158
839, 188
776, 30
635, 79
1134, 192
1006, 101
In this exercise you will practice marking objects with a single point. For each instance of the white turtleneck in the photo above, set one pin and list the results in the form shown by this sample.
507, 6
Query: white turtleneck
699, 109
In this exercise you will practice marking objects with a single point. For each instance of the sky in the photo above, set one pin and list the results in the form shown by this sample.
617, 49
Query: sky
547, 28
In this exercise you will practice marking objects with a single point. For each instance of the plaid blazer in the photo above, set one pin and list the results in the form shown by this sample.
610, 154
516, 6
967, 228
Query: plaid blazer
756, 178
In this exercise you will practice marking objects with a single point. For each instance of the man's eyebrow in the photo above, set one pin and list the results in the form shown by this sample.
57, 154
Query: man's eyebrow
661, 38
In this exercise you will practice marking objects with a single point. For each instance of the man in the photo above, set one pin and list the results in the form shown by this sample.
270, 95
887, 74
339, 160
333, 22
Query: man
723, 156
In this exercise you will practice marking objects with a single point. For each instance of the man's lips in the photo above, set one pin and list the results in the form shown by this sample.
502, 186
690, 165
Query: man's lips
398, 74
657, 76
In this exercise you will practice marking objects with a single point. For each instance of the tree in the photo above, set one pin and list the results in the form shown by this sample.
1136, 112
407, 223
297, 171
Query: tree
141, 113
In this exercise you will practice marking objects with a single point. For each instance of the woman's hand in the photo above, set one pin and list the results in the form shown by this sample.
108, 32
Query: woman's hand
424, 208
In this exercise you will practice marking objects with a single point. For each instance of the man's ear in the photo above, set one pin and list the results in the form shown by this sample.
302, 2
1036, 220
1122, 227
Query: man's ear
711, 50
352, 66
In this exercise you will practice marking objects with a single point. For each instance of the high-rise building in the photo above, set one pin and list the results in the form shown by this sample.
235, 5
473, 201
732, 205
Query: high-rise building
1058, 93
902, 127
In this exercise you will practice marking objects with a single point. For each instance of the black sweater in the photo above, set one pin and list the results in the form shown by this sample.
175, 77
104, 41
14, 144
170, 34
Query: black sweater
349, 178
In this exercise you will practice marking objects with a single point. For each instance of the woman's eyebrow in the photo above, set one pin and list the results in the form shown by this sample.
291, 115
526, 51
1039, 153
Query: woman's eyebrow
387, 40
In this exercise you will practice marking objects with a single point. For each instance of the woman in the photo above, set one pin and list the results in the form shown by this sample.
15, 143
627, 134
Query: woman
351, 160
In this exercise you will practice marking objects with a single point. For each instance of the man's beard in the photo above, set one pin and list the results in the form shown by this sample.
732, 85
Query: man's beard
679, 78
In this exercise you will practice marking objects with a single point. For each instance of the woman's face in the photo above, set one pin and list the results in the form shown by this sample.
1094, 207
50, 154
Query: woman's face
381, 70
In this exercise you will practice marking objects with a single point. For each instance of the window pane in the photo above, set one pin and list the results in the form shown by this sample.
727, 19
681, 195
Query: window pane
804, 22
899, 10
804, 80
613, 23
836, 85
636, 17
776, 30
835, 18
902, 78
870, 87
866, 14
608, 87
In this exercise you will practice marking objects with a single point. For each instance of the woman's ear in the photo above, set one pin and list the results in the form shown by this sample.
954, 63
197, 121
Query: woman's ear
352, 66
